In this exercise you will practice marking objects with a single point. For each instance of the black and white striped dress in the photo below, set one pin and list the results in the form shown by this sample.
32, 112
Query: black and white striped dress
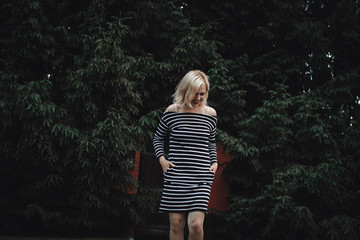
192, 149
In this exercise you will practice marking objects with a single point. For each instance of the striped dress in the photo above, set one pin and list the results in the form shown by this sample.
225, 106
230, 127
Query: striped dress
192, 149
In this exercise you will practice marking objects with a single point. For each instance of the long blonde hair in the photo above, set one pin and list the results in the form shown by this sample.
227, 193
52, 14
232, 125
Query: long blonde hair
188, 86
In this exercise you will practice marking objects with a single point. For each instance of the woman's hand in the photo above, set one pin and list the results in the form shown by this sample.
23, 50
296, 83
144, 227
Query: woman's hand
214, 167
165, 164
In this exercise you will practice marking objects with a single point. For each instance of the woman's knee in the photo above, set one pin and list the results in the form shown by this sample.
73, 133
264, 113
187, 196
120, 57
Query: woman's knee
177, 222
195, 226
196, 222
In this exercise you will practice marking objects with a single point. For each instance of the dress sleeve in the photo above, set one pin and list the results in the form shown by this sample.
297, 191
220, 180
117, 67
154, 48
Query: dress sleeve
212, 146
159, 136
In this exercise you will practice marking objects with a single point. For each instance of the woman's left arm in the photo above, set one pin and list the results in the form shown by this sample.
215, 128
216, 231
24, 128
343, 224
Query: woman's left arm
212, 149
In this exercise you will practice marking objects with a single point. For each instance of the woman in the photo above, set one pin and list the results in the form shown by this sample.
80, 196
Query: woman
192, 163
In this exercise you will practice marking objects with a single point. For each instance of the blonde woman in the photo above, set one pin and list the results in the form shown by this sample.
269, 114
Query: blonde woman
192, 161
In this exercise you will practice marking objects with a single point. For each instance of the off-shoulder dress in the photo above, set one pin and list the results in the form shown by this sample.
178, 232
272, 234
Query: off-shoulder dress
192, 148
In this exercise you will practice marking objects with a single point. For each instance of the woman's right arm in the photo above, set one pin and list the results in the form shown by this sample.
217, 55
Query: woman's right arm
158, 144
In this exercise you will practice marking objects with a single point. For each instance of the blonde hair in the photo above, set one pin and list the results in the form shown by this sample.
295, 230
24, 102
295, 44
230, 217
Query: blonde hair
188, 86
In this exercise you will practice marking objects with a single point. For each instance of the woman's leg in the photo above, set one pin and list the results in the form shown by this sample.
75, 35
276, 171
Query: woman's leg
177, 225
195, 225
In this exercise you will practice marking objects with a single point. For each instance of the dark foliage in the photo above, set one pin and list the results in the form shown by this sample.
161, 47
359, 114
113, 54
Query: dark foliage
82, 81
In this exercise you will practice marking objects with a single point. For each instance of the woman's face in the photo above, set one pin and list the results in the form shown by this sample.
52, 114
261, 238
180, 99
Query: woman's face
199, 96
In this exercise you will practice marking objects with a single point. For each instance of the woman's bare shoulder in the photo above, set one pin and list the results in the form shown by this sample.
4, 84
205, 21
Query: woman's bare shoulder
171, 108
212, 111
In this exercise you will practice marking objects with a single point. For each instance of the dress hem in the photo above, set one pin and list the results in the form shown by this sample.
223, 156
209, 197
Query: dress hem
184, 211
